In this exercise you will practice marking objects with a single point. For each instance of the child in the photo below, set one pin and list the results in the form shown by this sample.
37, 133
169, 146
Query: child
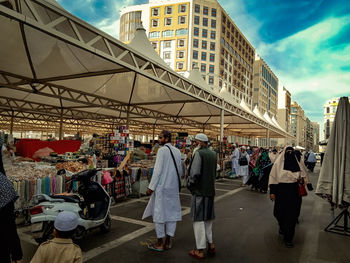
61, 249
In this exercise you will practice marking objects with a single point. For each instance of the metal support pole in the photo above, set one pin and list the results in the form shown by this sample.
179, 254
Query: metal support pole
11, 125
222, 126
128, 118
267, 138
60, 134
154, 132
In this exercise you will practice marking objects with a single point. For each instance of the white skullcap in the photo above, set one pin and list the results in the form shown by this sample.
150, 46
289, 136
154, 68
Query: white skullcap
243, 147
201, 137
66, 221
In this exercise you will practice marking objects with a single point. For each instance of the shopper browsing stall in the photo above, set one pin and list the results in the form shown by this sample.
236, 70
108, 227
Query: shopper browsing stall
164, 204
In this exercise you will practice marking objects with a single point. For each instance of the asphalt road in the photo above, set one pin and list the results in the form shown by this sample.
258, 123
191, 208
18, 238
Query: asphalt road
244, 231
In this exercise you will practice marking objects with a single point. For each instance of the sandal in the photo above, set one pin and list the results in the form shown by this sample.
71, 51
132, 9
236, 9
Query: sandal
211, 251
154, 248
195, 253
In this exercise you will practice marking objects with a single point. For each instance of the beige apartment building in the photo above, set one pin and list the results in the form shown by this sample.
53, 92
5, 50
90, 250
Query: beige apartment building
196, 33
316, 136
298, 125
265, 88
284, 113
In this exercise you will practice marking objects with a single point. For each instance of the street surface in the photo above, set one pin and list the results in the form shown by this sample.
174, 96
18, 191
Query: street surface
244, 231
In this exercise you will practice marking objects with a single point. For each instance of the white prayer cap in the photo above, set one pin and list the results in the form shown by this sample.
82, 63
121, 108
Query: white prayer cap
243, 147
66, 221
201, 137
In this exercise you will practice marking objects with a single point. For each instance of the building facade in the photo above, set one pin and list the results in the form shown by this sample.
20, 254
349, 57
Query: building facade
309, 141
316, 136
265, 88
298, 125
196, 33
284, 113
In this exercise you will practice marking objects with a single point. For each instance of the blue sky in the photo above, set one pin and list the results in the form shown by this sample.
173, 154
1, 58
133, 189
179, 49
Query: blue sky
305, 42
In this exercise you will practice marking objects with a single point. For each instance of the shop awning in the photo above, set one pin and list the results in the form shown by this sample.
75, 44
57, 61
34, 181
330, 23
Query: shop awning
56, 68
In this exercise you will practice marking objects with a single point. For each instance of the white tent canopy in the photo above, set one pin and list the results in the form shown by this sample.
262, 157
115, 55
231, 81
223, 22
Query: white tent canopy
56, 68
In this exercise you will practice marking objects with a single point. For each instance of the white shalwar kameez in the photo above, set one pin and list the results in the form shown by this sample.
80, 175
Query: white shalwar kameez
235, 163
164, 205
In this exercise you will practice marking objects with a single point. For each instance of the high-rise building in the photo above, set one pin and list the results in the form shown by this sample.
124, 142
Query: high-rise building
309, 141
284, 112
265, 87
298, 125
196, 32
316, 135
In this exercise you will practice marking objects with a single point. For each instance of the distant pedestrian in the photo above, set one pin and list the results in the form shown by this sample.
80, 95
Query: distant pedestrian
164, 204
283, 182
243, 165
235, 161
202, 186
311, 161
10, 247
61, 249
273, 155
322, 156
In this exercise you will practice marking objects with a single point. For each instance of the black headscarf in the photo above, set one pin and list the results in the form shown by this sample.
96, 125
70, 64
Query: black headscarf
290, 160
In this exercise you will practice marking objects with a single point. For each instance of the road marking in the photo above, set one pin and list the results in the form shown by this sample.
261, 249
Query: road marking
132, 221
116, 243
128, 202
223, 190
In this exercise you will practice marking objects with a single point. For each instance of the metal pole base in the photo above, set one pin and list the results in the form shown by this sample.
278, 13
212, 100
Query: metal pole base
341, 229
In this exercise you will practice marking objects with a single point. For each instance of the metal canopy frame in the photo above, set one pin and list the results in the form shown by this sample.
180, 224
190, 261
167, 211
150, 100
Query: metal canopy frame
22, 94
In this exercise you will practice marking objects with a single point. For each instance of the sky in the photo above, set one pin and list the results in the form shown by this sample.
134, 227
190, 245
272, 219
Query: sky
305, 42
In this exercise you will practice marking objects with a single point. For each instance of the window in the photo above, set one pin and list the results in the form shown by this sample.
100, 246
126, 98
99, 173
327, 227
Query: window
196, 20
195, 42
168, 33
168, 10
182, 32
154, 22
204, 56
205, 10
182, 20
204, 33
168, 21
203, 67
197, 9
196, 31
179, 65
155, 44
213, 12
213, 23
195, 54
212, 45
182, 8
155, 11
181, 42
167, 44
205, 21
194, 64
211, 80
167, 55
180, 54
211, 69
204, 44
212, 34
212, 57
154, 34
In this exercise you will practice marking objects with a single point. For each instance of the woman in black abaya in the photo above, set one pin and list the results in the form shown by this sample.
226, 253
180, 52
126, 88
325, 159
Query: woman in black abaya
283, 183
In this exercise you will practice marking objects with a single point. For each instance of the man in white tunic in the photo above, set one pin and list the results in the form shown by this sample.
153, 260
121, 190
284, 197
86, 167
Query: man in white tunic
234, 160
164, 205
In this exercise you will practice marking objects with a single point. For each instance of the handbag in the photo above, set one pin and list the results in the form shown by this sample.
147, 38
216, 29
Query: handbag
301, 188
177, 171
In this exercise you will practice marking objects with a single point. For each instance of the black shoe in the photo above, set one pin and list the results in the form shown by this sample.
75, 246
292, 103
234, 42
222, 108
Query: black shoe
289, 244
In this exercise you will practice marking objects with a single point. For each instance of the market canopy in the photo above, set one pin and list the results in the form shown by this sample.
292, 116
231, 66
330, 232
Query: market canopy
56, 68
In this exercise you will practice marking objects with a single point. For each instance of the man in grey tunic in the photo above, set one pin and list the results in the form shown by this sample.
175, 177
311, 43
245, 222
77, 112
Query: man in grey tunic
201, 183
